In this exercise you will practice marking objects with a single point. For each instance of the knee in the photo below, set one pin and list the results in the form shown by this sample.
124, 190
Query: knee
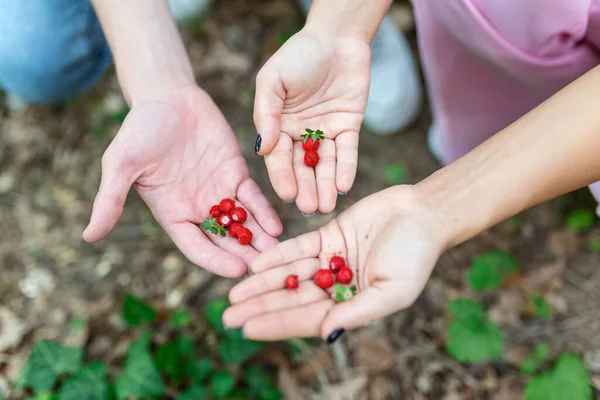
49, 59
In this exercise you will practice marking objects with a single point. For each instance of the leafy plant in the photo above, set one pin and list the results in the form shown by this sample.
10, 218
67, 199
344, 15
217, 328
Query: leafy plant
90, 383
540, 354
472, 336
595, 245
181, 318
286, 35
581, 220
569, 379
135, 312
395, 174
540, 307
491, 270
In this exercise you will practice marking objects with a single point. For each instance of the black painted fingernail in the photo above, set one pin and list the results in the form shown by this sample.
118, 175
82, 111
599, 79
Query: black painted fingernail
289, 201
323, 214
257, 144
308, 215
335, 335
342, 193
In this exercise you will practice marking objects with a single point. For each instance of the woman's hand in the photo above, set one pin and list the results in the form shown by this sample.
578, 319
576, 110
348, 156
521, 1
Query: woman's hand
391, 240
315, 81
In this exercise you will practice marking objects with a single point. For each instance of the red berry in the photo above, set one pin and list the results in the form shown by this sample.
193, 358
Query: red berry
239, 215
225, 220
344, 275
311, 158
226, 205
323, 278
234, 229
311, 145
291, 282
244, 236
215, 211
336, 263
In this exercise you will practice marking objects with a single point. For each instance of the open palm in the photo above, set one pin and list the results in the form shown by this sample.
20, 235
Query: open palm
316, 82
391, 240
182, 157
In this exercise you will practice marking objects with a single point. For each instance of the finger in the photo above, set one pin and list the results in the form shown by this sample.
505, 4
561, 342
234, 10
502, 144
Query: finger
304, 321
307, 293
279, 166
371, 304
255, 201
273, 279
307, 199
198, 249
246, 253
268, 106
325, 175
261, 240
347, 160
303, 246
109, 202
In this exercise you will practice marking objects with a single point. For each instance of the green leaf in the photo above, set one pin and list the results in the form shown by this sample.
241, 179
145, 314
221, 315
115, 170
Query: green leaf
78, 324
472, 337
213, 312
236, 350
286, 35
47, 362
261, 384
491, 270
200, 369
595, 245
135, 312
120, 116
194, 393
141, 377
532, 363
181, 319
43, 396
541, 308
90, 383
395, 174
581, 220
172, 357
569, 379
222, 384
342, 293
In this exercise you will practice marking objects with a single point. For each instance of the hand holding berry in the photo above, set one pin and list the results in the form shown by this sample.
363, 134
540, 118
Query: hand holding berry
386, 245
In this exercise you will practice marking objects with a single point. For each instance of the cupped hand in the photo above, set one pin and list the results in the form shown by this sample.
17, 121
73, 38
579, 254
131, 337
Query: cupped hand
314, 81
182, 157
391, 240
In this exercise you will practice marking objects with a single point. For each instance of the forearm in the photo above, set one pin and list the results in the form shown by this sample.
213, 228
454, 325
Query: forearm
550, 151
149, 54
354, 18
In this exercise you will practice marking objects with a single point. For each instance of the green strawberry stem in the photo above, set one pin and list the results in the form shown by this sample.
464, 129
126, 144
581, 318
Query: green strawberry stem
210, 224
315, 135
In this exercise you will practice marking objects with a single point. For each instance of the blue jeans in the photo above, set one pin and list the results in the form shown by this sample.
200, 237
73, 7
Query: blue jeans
50, 50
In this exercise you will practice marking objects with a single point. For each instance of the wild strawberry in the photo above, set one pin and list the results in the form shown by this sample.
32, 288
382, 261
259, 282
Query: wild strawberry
244, 236
225, 220
215, 211
226, 205
311, 158
234, 229
239, 215
336, 263
344, 275
323, 278
291, 282
212, 225
311, 140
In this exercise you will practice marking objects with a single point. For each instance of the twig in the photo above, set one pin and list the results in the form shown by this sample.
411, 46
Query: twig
316, 365
341, 359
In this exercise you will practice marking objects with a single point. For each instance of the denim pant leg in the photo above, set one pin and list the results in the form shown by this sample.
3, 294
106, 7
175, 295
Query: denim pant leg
50, 50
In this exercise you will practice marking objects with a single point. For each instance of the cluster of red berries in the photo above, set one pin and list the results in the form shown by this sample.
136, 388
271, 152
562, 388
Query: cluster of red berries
224, 217
311, 141
324, 278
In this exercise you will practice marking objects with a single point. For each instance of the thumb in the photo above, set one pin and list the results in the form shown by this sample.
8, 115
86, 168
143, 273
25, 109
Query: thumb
268, 107
369, 305
109, 202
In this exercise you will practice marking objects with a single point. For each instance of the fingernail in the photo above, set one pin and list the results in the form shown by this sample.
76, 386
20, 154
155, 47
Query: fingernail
289, 201
308, 215
335, 335
257, 144
342, 193
323, 214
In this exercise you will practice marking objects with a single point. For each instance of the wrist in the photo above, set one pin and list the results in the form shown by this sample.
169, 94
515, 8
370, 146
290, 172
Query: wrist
356, 19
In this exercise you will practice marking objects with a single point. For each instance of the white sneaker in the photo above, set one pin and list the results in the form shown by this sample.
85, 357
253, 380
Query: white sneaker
186, 10
395, 94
